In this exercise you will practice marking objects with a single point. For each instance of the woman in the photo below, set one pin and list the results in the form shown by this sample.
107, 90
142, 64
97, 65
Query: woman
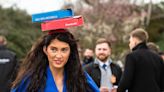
53, 65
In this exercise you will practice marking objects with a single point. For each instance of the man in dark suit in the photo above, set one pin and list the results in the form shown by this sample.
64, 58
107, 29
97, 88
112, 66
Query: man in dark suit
144, 69
88, 56
7, 65
103, 71
162, 55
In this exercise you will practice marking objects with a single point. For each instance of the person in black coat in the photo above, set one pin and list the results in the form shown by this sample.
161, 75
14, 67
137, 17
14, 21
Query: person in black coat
144, 69
7, 65
107, 77
161, 54
88, 56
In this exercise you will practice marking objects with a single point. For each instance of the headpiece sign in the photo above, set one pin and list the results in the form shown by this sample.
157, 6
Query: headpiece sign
59, 19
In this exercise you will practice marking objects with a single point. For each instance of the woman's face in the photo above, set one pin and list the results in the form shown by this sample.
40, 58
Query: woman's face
57, 53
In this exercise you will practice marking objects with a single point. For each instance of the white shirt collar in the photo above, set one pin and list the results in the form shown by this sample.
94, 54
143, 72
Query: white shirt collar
108, 62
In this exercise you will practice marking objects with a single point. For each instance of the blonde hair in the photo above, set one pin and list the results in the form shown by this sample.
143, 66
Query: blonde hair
141, 34
152, 46
103, 40
3, 40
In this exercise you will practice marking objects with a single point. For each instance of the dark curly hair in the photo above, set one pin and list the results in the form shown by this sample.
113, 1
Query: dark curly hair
35, 64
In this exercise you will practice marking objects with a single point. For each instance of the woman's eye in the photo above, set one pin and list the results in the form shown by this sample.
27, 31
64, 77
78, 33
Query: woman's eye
53, 49
64, 49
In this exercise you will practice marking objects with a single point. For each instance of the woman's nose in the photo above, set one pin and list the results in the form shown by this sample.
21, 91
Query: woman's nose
58, 55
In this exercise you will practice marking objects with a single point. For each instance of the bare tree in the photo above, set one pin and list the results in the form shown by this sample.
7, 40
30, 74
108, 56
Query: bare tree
112, 19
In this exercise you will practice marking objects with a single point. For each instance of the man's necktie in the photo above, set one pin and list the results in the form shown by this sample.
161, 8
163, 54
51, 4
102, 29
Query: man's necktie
104, 66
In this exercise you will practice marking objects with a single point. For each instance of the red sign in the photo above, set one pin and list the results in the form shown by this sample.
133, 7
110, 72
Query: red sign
62, 23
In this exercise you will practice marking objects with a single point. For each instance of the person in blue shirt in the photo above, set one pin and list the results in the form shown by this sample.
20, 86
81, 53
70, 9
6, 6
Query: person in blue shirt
53, 65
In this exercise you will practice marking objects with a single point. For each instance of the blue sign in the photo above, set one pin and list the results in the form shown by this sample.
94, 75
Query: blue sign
46, 16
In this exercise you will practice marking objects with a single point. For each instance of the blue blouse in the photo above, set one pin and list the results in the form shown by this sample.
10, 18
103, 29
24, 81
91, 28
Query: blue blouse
51, 86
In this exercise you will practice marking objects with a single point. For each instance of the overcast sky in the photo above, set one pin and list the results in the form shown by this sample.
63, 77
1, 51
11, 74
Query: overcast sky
37, 6
34, 6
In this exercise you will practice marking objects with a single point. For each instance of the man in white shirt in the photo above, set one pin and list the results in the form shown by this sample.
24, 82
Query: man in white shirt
103, 71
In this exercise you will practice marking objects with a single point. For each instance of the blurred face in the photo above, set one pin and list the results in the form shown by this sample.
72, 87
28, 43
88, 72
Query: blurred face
102, 51
57, 53
132, 42
162, 57
88, 53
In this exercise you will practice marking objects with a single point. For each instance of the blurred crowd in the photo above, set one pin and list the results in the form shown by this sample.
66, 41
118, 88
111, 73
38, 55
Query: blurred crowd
143, 70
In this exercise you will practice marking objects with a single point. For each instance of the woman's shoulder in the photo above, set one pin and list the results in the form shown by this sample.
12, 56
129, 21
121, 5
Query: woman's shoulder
21, 87
91, 83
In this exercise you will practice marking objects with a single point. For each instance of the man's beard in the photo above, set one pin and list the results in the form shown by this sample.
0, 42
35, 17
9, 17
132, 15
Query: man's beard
87, 60
102, 58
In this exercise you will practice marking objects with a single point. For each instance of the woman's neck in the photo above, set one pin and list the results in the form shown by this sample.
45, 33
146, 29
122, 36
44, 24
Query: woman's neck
58, 75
